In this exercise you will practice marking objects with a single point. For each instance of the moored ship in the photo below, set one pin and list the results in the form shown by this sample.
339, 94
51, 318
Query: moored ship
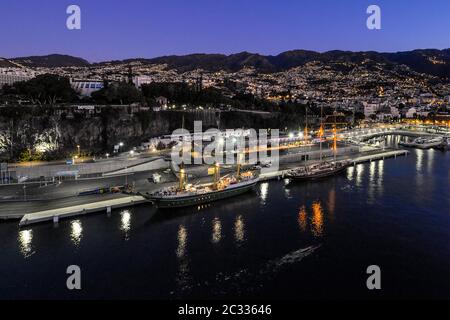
321, 169
317, 171
423, 143
192, 195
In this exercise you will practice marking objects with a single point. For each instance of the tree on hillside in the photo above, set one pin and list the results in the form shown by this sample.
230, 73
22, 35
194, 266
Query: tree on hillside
117, 93
182, 93
44, 89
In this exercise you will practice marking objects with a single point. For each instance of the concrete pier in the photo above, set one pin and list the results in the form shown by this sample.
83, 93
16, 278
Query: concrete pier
56, 214
360, 159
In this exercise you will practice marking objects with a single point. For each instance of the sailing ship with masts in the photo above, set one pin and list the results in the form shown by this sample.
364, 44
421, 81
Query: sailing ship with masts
323, 168
186, 194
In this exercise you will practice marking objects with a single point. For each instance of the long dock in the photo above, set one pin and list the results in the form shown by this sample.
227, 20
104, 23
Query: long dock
366, 158
381, 156
56, 214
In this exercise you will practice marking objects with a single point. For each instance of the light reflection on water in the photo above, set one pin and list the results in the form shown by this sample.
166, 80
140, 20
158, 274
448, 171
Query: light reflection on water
359, 174
380, 177
331, 201
372, 171
216, 231
302, 219
371, 186
25, 242
182, 241
430, 159
125, 223
287, 191
419, 169
239, 229
76, 233
264, 190
419, 161
350, 173
317, 219
183, 275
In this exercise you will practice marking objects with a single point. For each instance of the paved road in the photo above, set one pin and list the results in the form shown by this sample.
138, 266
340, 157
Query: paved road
69, 188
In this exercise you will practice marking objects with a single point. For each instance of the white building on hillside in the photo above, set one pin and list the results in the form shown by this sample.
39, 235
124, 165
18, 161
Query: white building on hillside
140, 80
86, 87
411, 113
12, 75
370, 108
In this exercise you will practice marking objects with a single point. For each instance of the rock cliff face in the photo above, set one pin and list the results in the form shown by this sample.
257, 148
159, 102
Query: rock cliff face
59, 131
54, 133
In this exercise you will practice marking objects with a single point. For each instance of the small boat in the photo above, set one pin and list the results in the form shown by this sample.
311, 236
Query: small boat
317, 171
192, 195
445, 145
422, 143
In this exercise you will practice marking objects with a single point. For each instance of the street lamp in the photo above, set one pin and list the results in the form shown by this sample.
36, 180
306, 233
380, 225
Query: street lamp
78, 147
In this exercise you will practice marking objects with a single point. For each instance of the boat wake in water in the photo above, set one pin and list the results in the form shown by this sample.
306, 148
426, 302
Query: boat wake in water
241, 281
291, 258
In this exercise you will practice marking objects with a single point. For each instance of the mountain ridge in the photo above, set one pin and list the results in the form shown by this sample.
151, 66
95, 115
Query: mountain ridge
432, 61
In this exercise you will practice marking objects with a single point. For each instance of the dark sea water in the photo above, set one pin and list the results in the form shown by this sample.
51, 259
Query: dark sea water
393, 213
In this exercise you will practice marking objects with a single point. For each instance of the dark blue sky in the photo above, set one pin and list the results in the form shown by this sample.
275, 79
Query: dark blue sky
148, 28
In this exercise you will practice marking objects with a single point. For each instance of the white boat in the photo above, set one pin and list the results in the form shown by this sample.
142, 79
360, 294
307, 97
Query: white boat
423, 143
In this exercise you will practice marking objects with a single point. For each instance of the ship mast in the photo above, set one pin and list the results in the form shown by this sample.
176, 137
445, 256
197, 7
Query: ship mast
238, 167
238, 173
334, 136
321, 132
216, 174
334, 143
305, 138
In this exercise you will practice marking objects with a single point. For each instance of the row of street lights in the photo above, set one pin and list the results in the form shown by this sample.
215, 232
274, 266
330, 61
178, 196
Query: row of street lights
117, 149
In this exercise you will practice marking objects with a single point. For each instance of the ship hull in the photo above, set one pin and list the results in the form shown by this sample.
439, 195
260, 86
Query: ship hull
319, 175
194, 200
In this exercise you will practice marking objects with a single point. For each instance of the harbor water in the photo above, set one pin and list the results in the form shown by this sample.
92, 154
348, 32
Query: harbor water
393, 213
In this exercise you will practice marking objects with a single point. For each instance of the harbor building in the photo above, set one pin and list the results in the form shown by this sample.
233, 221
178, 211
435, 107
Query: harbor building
86, 87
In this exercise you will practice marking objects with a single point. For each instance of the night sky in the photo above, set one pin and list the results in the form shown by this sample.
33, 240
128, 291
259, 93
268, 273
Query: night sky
150, 28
